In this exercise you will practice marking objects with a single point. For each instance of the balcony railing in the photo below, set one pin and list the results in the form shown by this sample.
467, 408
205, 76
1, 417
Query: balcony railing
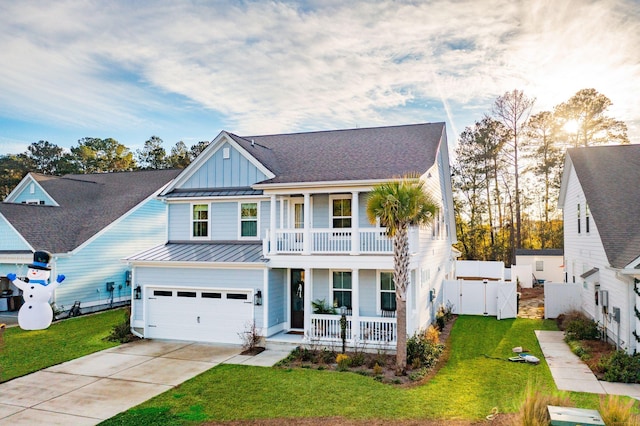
375, 330
330, 241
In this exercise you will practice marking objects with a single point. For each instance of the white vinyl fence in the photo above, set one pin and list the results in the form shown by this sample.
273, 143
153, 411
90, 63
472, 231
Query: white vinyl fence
560, 298
489, 298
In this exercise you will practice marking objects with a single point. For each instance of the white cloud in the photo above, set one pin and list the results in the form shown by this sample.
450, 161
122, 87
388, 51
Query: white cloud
271, 66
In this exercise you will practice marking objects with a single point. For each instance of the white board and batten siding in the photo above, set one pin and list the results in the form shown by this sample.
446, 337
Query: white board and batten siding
487, 298
201, 304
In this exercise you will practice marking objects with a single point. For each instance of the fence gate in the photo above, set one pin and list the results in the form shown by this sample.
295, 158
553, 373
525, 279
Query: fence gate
507, 301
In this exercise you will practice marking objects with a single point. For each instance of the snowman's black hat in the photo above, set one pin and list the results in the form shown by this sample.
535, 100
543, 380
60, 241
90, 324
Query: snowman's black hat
41, 260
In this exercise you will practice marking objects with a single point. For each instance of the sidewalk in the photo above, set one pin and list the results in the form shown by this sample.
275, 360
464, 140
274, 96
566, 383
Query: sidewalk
88, 390
570, 373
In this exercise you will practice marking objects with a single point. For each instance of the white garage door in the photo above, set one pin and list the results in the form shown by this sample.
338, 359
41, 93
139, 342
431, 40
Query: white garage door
205, 315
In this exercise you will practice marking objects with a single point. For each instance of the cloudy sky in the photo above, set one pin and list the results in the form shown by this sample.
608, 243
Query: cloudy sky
186, 70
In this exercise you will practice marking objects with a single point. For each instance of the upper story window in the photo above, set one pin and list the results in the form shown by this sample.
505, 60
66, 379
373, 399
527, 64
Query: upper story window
248, 220
578, 218
200, 220
341, 212
587, 215
387, 292
341, 289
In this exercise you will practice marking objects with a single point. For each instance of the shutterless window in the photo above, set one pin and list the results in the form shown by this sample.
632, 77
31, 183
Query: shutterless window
249, 220
237, 296
200, 220
587, 216
186, 294
207, 295
162, 293
342, 289
578, 218
341, 213
387, 292
539, 265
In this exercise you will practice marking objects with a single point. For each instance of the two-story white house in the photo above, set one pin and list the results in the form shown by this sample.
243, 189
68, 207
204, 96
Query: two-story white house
599, 198
262, 226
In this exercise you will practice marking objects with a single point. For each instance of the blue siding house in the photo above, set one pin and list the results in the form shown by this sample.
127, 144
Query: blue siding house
89, 223
262, 226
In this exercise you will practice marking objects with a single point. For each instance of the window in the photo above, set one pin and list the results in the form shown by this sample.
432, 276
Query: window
200, 220
387, 292
248, 219
578, 218
539, 265
341, 213
341, 288
587, 215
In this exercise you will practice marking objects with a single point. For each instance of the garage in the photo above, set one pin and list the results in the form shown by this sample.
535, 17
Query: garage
198, 314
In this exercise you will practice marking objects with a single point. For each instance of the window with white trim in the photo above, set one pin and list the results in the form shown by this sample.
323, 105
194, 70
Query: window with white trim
387, 292
341, 212
341, 289
587, 216
539, 265
200, 220
248, 220
578, 218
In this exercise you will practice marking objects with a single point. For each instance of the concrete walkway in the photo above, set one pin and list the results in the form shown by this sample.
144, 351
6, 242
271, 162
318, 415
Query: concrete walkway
570, 373
88, 390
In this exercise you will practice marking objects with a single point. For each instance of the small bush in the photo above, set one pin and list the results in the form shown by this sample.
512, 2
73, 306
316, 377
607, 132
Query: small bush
579, 350
534, 412
121, 332
251, 337
579, 327
616, 412
444, 314
377, 369
358, 359
344, 362
421, 352
327, 356
621, 367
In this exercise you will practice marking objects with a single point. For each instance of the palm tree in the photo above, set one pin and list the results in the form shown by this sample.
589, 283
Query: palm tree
399, 205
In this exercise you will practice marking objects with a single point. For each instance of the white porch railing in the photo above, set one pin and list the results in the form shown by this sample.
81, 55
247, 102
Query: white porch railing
375, 330
330, 241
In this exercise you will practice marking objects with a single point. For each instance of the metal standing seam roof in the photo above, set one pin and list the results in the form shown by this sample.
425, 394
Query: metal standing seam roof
212, 252
610, 177
213, 192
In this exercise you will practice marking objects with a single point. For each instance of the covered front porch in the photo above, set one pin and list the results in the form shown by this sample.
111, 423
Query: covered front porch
360, 300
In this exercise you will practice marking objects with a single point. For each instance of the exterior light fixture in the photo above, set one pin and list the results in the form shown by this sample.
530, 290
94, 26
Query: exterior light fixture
257, 298
137, 293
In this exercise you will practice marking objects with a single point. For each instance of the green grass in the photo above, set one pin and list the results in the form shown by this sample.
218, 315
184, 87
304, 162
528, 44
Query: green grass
477, 378
24, 352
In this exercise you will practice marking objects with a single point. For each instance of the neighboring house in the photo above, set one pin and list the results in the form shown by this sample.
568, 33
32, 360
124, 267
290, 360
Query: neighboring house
88, 223
260, 227
600, 200
545, 265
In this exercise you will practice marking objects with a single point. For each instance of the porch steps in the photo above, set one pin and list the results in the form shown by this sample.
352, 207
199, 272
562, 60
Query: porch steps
281, 346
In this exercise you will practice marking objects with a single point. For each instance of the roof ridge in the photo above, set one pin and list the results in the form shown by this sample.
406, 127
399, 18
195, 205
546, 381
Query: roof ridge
338, 130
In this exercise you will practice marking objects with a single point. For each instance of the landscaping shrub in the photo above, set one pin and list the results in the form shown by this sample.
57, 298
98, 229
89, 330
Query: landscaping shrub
121, 332
577, 348
421, 351
344, 362
578, 327
444, 314
251, 338
614, 411
621, 367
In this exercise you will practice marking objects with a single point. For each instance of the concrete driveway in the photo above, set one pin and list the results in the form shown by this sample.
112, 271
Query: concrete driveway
93, 388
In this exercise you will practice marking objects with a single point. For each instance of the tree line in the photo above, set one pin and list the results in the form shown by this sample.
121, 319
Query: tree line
92, 155
508, 171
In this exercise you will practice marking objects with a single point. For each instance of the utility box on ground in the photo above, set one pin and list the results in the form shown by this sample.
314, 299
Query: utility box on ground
566, 416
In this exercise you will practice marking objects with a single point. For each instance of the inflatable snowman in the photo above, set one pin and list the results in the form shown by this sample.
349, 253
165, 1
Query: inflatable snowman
36, 313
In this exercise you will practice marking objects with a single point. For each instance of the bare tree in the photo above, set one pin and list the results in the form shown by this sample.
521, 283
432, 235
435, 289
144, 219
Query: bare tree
512, 109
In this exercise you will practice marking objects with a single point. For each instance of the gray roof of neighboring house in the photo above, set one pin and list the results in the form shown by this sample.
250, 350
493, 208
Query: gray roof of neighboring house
221, 251
87, 204
354, 154
610, 177
540, 252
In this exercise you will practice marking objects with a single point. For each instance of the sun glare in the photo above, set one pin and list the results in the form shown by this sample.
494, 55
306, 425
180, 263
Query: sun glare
571, 126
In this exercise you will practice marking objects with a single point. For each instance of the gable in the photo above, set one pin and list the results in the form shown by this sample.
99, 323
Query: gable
227, 167
29, 191
10, 239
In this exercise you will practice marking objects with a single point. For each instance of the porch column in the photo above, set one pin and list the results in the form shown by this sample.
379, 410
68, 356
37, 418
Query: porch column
272, 226
308, 293
306, 244
355, 305
355, 224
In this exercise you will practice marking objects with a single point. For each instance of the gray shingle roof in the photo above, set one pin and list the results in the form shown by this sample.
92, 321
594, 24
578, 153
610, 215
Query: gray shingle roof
354, 154
541, 252
87, 204
610, 177
228, 251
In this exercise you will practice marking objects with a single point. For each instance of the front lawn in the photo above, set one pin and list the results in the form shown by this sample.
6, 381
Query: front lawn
477, 378
24, 352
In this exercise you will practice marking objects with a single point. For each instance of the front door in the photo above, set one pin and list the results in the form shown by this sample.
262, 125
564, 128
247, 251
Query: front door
297, 298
